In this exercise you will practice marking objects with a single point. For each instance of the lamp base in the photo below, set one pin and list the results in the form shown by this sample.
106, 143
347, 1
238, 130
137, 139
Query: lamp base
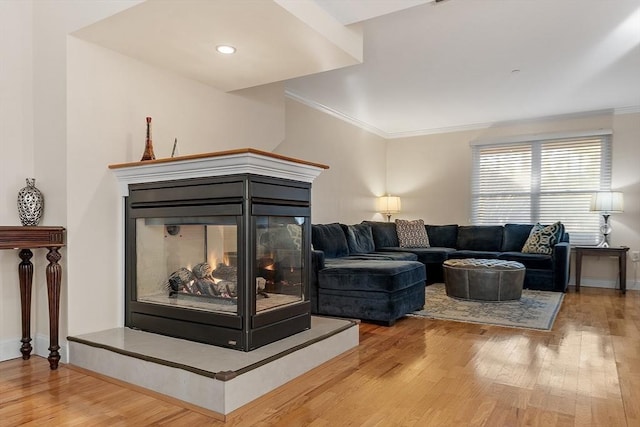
605, 229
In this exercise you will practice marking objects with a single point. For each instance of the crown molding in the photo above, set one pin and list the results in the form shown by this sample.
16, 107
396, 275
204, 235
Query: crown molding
337, 114
461, 128
435, 131
627, 110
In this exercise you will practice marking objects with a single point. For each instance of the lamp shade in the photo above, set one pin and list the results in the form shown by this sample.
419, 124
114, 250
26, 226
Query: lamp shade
607, 201
389, 204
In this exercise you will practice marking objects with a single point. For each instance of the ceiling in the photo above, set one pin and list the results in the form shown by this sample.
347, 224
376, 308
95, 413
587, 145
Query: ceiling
274, 41
400, 67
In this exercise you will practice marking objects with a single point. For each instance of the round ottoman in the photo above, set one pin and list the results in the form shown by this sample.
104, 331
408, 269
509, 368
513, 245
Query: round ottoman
483, 279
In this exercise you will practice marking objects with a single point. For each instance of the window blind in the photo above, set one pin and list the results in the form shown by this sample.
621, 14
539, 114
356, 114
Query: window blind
542, 181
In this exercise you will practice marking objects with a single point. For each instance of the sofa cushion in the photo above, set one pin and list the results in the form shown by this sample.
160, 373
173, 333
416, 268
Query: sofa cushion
425, 255
367, 276
442, 236
480, 238
359, 238
515, 236
412, 234
384, 234
537, 261
385, 256
397, 255
330, 239
542, 238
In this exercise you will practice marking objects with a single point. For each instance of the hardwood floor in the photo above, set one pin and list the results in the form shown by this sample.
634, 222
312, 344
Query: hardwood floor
420, 372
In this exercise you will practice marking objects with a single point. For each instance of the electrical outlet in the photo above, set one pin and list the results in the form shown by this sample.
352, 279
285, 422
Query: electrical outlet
635, 256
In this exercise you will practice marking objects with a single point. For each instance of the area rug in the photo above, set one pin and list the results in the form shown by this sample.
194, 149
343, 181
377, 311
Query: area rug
535, 310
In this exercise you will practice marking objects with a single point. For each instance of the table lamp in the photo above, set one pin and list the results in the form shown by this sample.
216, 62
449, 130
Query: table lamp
388, 205
606, 202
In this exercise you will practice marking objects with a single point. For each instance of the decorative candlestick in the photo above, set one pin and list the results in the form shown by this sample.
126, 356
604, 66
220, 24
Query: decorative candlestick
148, 147
175, 145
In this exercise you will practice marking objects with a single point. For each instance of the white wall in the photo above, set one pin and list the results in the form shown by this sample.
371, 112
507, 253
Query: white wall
625, 178
345, 192
33, 114
64, 123
109, 96
16, 153
433, 175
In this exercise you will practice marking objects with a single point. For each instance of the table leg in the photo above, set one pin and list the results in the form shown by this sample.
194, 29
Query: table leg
622, 266
25, 274
578, 269
54, 276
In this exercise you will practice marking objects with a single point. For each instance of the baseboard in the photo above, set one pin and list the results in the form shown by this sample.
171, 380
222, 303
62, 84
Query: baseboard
41, 347
10, 349
607, 284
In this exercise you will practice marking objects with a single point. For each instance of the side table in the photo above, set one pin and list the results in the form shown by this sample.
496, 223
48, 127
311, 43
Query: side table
25, 239
619, 252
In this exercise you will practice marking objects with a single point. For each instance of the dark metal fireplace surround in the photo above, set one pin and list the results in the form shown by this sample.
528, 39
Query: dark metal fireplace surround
219, 260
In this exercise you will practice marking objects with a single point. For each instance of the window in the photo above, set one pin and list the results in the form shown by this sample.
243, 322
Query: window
545, 180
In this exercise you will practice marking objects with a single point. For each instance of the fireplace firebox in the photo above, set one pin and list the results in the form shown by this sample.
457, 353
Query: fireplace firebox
223, 260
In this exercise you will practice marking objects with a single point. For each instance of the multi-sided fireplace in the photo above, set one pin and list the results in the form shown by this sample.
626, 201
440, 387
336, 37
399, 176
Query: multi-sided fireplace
217, 247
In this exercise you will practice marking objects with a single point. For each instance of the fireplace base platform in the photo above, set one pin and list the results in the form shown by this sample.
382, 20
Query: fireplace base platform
217, 379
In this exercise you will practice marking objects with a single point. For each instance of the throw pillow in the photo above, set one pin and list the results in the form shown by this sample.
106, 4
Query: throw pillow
330, 239
359, 238
412, 234
542, 239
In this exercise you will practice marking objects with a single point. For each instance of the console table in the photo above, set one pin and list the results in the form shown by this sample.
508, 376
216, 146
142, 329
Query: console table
619, 252
25, 239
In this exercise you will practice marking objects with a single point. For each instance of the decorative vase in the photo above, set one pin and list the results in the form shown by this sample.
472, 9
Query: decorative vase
148, 146
30, 203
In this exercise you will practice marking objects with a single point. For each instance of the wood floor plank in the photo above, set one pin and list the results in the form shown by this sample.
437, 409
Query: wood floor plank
419, 372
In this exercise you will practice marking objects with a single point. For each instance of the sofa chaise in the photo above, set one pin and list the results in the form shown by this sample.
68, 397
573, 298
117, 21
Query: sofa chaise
350, 280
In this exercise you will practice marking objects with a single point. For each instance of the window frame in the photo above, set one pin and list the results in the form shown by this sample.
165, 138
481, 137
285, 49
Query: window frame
580, 223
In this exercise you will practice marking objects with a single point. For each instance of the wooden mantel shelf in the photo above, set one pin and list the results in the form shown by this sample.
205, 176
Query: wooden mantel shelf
219, 154
240, 161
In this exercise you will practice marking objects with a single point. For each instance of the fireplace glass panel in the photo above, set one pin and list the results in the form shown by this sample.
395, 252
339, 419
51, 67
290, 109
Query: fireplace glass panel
188, 262
279, 261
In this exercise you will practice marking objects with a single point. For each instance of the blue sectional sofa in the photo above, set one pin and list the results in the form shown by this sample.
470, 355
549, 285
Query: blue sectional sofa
361, 271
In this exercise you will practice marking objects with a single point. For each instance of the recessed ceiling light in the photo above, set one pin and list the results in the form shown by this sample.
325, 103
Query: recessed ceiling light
226, 49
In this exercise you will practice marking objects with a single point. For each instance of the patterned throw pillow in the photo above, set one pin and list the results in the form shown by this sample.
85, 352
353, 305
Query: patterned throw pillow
412, 234
542, 239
